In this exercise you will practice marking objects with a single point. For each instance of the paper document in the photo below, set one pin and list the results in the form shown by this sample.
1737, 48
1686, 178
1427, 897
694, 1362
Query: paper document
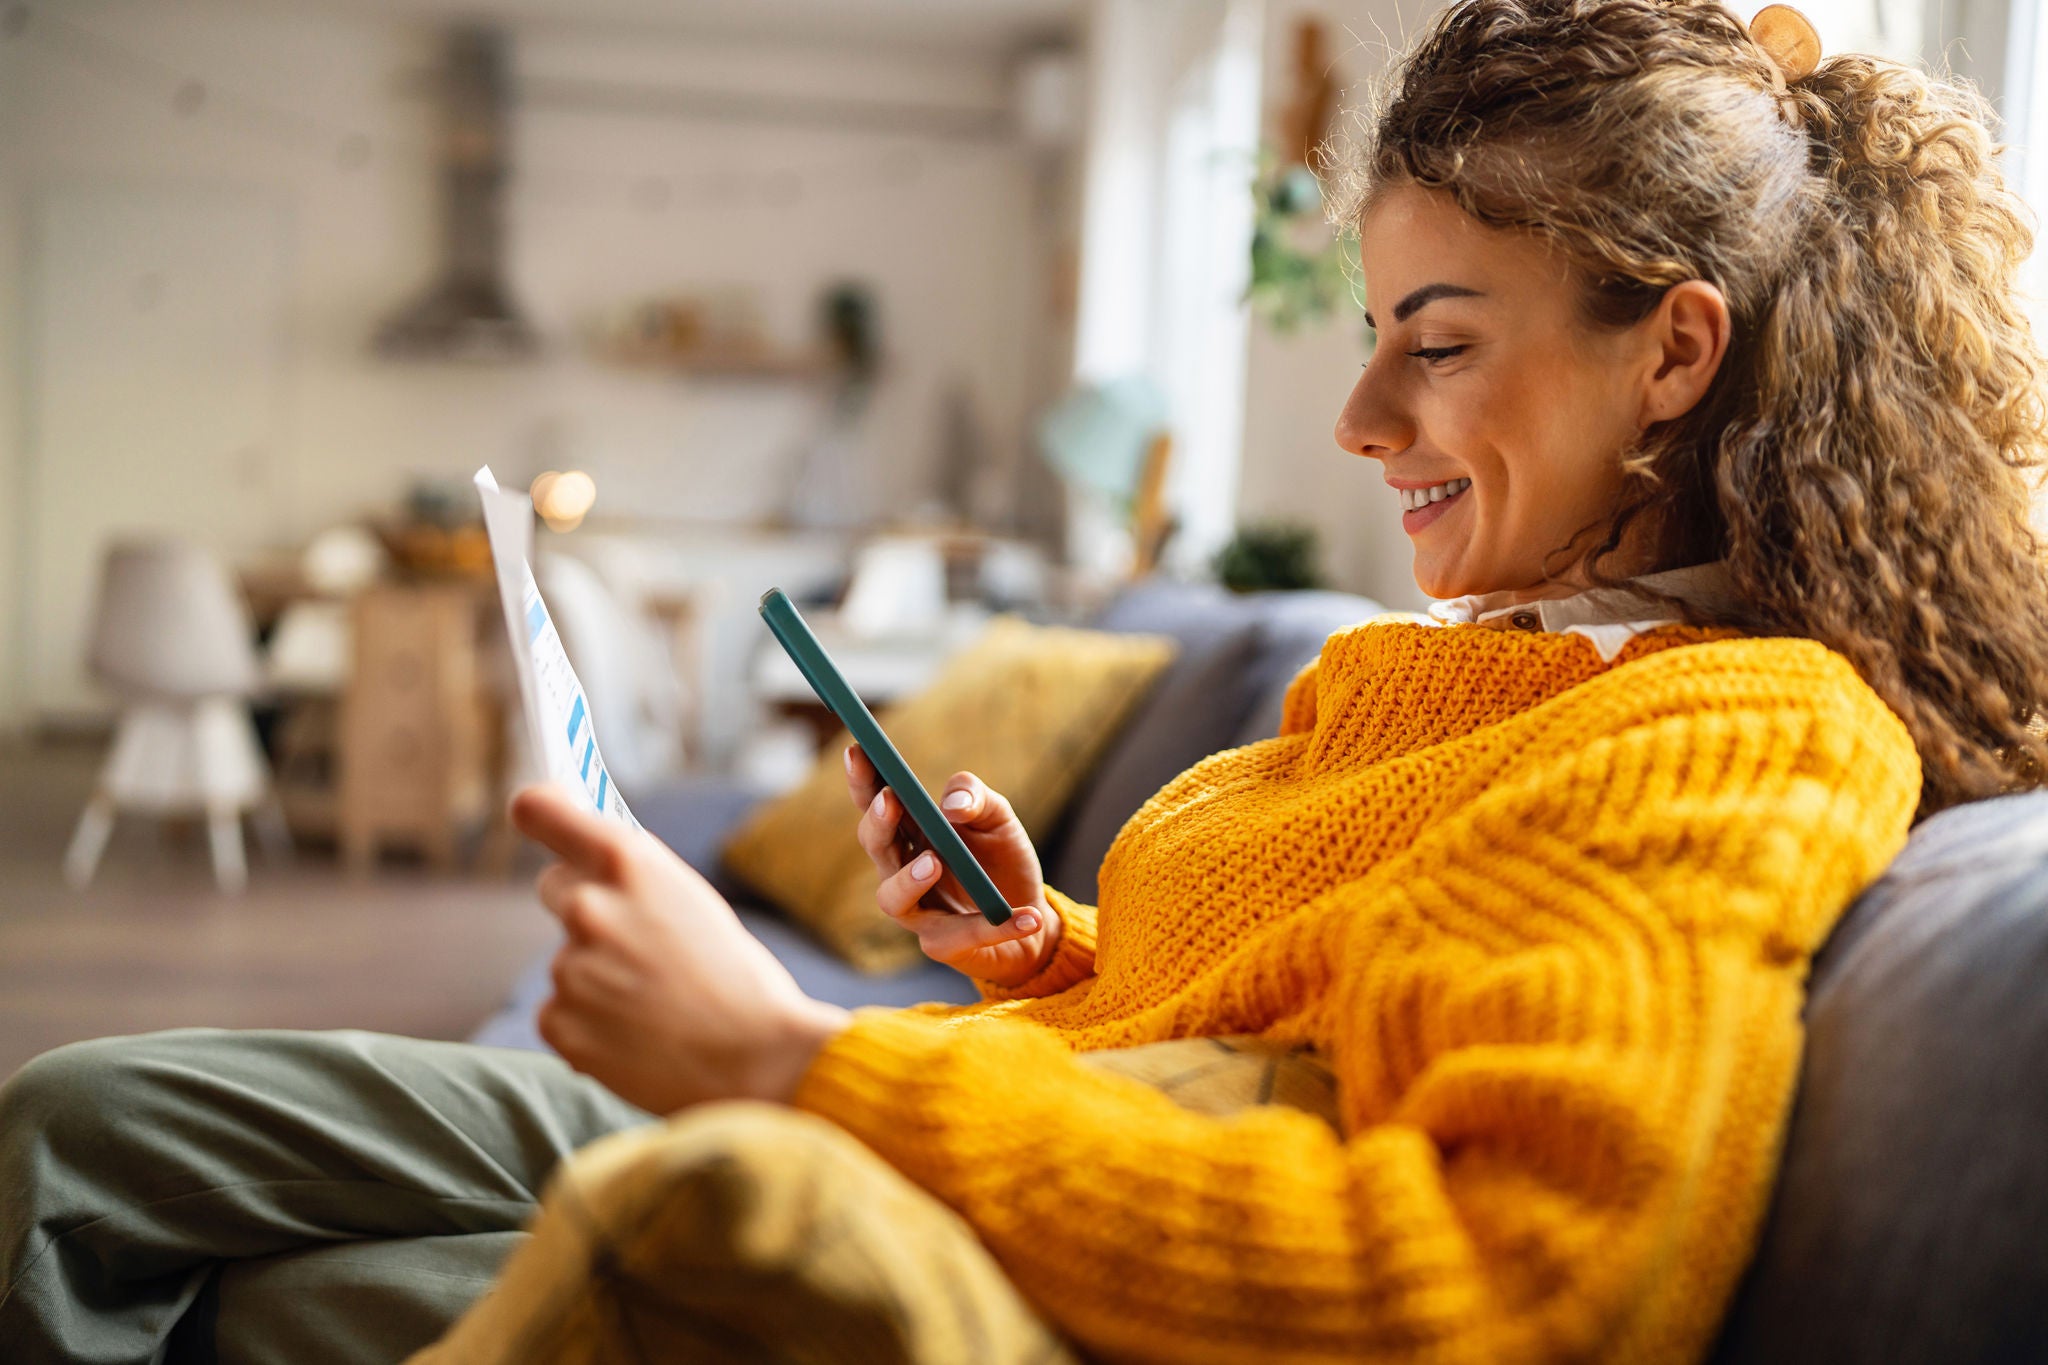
559, 726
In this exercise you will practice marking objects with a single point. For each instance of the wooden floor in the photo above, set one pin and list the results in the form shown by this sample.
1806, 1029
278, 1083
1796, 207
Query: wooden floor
152, 945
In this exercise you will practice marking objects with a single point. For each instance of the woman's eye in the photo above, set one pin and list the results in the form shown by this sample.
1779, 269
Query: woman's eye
1436, 353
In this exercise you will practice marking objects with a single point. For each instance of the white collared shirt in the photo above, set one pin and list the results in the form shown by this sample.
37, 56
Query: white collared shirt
1609, 617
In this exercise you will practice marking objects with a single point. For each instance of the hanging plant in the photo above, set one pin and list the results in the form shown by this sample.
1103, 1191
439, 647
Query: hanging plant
1299, 274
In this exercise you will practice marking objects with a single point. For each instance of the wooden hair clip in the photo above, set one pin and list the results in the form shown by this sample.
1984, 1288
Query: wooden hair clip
1789, 37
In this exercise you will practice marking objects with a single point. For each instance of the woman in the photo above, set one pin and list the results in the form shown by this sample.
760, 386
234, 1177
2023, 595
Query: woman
1708, 397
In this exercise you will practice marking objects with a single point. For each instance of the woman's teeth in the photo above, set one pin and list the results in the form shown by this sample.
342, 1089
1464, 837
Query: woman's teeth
1412, 498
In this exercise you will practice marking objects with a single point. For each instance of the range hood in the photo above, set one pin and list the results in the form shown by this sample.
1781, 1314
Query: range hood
468, 313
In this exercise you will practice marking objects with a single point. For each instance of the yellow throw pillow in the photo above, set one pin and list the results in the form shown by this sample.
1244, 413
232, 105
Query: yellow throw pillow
1026, 708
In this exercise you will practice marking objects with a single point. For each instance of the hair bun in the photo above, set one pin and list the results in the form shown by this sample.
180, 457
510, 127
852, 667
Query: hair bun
1789, 37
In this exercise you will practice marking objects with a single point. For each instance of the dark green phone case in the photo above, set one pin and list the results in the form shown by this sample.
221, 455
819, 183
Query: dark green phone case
811, 660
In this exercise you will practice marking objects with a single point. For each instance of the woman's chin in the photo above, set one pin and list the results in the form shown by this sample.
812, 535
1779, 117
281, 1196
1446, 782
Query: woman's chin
1440, 581
1444, 565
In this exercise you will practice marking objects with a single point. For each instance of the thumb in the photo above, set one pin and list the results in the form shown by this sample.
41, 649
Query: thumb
972, 804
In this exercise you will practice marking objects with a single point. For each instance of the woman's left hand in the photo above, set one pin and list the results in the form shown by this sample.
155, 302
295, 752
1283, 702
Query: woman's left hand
660, 993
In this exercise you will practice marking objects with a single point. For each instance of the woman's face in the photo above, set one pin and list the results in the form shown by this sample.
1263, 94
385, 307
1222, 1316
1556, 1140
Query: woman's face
1486, 379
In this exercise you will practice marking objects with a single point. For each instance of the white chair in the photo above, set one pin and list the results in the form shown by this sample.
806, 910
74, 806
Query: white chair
630, 679
173, 639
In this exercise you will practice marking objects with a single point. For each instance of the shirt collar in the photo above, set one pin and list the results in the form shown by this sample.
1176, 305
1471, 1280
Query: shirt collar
1609, 617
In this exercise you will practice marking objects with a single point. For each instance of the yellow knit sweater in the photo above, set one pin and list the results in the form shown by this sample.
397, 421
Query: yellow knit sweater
1549, 920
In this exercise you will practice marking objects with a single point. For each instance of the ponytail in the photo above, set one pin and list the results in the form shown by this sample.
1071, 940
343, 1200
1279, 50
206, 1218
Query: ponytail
1894, 410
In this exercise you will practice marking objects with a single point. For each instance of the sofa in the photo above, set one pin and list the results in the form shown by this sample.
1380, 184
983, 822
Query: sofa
1910, 1220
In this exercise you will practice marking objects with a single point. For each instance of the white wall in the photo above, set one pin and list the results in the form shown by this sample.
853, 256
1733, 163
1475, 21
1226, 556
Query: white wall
1295, 385
606, 207
10, 387
1131, 46
1171, 147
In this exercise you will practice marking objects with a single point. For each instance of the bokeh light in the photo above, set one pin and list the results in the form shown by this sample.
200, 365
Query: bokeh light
564, 499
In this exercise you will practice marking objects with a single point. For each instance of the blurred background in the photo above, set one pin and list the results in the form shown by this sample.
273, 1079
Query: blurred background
924, 310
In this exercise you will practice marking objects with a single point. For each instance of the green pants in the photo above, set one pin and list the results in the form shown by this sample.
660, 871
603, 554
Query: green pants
344, 1198
270, 1197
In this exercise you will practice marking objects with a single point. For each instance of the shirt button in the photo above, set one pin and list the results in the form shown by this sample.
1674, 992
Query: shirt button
1525, 620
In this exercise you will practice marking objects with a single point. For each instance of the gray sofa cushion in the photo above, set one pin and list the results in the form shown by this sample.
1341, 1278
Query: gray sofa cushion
1910, 1221
1196, 615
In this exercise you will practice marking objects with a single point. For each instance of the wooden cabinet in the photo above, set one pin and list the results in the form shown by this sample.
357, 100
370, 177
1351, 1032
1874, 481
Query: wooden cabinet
417, 729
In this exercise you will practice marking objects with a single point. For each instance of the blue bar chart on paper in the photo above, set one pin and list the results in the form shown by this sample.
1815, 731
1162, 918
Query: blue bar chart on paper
559, 726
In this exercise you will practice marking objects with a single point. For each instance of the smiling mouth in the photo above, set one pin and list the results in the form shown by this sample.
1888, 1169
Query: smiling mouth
1421, 506
1415, 499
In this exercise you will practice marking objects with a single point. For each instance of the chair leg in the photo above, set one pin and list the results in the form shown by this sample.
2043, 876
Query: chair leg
273, 831
82, 859
224, 833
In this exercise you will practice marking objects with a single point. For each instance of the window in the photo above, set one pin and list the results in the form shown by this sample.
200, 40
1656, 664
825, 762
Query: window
1883, 28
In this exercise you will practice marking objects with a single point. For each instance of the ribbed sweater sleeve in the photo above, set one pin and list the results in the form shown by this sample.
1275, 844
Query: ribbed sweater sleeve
1072, 962
1565, 1028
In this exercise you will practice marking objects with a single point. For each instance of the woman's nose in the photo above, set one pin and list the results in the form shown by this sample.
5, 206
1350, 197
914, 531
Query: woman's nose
1372, 422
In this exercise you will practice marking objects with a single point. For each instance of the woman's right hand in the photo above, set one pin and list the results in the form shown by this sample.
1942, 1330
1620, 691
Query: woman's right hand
921, 895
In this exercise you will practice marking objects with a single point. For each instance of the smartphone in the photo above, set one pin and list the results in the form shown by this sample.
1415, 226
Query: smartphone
794, 635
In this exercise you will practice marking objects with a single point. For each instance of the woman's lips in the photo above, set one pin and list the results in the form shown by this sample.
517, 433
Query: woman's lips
1414, 521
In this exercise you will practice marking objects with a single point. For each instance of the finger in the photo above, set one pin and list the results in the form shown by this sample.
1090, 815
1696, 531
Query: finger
549, 816
588, 910
947, 937
910, 840
553, 885
899, 894
563, 1030
888, 838
585, 907
582, 974
877, 830
861, 778
971, 803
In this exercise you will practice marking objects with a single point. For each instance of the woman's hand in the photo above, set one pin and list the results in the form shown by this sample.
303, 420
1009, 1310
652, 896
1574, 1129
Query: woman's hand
660, 993
920, 894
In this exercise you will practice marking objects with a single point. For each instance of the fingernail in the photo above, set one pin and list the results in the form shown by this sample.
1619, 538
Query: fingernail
925, 865
1027, 923
876, 804
958, 800
847, 754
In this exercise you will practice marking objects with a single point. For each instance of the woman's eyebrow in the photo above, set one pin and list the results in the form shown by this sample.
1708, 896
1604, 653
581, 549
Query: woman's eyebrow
1428, 294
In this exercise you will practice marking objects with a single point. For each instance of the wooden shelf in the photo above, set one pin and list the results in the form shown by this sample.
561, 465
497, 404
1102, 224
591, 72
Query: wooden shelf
728, 362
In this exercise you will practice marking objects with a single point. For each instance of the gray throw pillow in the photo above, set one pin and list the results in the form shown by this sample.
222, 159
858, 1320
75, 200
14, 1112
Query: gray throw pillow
1910, 1219
1196, 615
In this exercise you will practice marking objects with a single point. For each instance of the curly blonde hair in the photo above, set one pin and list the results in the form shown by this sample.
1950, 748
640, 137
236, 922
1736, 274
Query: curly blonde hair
1861, 459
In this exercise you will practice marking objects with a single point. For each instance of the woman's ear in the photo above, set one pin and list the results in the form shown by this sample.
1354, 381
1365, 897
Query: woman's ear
1689, 331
